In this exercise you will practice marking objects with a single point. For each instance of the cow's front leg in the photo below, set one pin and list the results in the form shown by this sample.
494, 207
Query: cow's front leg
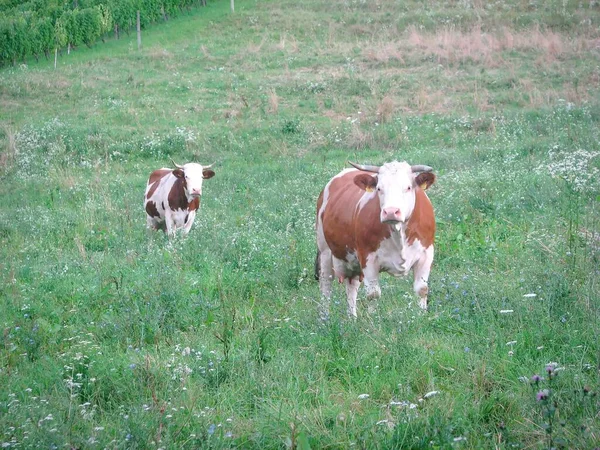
352, 285
421, 273
190, 221
169, 224
371, 277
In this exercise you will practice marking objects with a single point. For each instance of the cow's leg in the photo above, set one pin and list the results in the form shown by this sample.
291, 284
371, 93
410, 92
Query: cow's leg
421, 273
325, 279
371, 277
352, 285
154, 223
150, 222
169, 223
190, 221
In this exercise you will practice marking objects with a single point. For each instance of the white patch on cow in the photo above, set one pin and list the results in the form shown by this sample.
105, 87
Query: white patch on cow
371, 274
348, 267
395, 256
395, 188
367, 196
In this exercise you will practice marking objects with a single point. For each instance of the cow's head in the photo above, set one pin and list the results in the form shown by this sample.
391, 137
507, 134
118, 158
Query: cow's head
193, 174
395, 183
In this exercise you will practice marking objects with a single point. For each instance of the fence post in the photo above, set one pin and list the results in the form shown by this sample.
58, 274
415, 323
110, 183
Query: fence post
232, 6
139, 30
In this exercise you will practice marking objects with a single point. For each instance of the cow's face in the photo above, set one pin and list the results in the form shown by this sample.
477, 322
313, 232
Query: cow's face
193, 174
395, 185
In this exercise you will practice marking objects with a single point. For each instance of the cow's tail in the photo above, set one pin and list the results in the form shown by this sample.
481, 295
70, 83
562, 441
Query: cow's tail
318, 265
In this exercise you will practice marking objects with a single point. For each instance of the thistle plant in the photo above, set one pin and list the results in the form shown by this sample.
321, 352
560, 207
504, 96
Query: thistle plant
555, 423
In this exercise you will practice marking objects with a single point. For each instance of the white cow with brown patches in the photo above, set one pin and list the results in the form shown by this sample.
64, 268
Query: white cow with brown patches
375, 219
173, 196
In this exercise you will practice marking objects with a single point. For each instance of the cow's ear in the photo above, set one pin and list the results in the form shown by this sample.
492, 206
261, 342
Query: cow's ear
178, 173
208, 173
365, 181
424, 180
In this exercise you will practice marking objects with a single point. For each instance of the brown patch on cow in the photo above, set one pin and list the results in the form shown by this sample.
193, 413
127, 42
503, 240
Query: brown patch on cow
421, 224
154, 180
370, 231
193, 205
177, 198
151, 209
338, 217
157, 175
347, 229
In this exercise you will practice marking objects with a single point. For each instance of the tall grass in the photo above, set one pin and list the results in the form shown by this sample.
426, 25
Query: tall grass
115, 336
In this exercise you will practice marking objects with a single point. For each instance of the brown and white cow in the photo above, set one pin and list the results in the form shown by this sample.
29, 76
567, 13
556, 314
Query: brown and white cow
173, 196
372, 220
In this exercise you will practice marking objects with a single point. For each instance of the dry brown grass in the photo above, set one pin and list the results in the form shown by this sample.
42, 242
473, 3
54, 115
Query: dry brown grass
206, 53
287, 42
359, 139
159, 54
450, 45
256, 48
481, 98
423, 100
9, 149
385, 109
273, 101
383, 53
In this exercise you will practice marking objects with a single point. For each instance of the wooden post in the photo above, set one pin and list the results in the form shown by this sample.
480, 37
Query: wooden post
139, 31
55, 56
232, 6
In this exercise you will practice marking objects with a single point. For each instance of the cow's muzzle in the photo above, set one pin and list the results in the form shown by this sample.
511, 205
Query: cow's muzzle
391, 216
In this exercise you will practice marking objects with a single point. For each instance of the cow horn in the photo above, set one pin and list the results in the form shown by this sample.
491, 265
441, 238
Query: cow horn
208, 167
421, 168
176, 165
366, 168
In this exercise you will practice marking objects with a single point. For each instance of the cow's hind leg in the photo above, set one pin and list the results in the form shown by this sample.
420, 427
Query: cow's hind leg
325, 263
421, 273
352, 285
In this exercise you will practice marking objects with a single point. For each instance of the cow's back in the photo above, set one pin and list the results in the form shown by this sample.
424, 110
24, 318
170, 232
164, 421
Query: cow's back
154, 181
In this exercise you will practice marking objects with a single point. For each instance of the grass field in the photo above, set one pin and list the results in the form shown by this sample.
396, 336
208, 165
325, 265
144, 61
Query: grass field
117, 337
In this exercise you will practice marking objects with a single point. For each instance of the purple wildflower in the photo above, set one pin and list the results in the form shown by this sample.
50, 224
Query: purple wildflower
536, 379
550, 368
542, 395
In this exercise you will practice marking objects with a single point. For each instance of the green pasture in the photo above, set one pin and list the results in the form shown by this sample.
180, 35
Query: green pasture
113, 336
